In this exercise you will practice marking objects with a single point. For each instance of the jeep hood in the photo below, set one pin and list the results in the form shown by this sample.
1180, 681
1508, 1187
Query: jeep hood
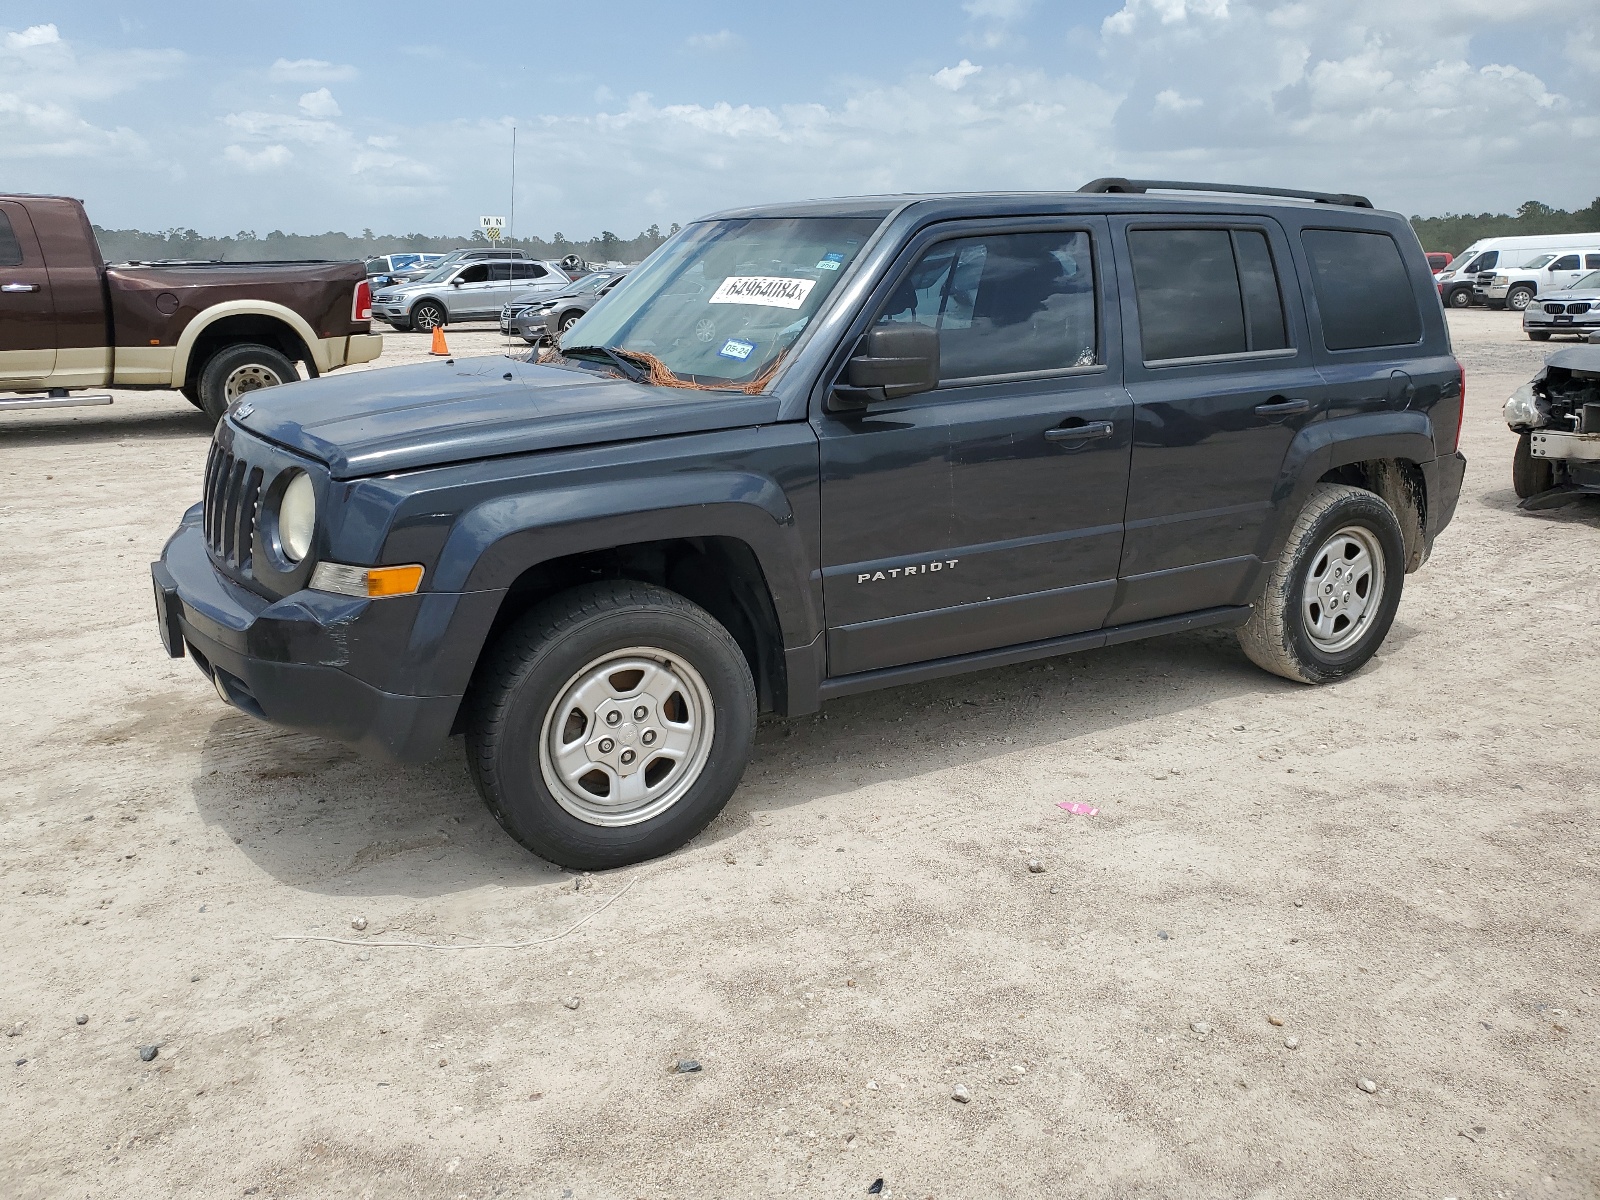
435, 413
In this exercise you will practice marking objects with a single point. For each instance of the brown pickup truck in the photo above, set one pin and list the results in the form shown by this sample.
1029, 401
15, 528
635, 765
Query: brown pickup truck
212, 330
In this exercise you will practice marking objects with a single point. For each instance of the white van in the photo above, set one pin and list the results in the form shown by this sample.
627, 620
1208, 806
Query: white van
1549, 271
1486, 255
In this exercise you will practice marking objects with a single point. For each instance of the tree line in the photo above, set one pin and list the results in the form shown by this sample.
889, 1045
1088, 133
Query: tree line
135, 245
1456, 231
1453, 232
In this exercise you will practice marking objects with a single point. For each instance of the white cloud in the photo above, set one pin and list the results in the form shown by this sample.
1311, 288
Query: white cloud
33, 35
953, 79
311, 70
319, 103
265, 159
1170, 101
722, 40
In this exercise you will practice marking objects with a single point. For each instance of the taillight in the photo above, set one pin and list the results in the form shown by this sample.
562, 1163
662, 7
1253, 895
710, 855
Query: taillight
361, 305
1461, 413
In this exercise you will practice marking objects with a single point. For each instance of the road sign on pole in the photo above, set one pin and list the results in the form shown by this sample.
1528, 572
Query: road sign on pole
493, 227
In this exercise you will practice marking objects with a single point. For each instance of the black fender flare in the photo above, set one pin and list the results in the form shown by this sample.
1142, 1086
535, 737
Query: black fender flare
491, 544
1324, 446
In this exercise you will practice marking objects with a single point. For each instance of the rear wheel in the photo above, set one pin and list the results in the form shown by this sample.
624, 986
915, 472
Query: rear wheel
1530, 475
426, 316
233, 372
610, 724
1333, 592
1518, 298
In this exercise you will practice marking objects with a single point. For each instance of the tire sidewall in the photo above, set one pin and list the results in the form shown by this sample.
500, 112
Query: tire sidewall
214, 375
1516, 294
524, 804
1456, 300
1370, 512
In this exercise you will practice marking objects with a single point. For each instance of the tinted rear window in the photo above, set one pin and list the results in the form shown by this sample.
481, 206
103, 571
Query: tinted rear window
1205, 292
10, 248
1363, 290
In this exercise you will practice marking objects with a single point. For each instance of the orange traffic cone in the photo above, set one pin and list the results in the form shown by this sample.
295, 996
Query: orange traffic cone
439, 346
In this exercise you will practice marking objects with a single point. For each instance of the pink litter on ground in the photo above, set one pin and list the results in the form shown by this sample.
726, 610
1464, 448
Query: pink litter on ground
1078, 808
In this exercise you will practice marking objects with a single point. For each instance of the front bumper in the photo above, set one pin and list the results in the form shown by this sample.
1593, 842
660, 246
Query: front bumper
386, 676
1535, 317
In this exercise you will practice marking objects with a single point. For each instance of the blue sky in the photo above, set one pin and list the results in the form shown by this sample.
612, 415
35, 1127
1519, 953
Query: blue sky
307, 117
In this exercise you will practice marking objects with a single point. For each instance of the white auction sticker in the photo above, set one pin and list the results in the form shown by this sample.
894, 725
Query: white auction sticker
769, 291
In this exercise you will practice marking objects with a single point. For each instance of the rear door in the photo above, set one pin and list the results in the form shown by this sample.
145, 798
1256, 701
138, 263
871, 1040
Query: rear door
1220, 368
987, 512
27, 307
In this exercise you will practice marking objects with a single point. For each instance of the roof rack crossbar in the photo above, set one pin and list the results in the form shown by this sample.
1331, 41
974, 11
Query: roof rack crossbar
1111, 184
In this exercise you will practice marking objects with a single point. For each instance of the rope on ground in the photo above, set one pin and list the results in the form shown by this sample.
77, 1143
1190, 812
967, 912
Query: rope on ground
556, 937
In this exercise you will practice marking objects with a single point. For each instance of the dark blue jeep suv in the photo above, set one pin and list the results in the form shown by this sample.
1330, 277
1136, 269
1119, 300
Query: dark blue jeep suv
812, 449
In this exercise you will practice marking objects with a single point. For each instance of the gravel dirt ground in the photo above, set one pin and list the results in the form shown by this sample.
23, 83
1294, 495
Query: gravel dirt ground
1400, 868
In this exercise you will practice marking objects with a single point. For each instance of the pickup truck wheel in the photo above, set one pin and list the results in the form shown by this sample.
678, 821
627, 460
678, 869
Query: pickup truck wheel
1332, 595
1518, 298
1530, 475
235, 370
610, 724
427, 315
191, 393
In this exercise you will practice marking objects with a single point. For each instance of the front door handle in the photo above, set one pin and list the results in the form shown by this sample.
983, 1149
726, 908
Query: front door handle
1283, 408
1088, 431
19, 287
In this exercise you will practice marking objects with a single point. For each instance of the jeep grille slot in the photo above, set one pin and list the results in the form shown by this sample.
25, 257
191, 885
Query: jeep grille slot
231, 497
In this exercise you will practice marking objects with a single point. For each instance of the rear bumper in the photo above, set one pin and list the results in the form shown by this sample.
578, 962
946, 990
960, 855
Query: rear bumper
1444, 492
364, 347
299, 662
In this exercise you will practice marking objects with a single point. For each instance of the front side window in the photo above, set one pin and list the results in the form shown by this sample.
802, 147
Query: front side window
1206, 292
1363, 290
1003, 304
721, 303
1487, 261
474, 274
1567, 262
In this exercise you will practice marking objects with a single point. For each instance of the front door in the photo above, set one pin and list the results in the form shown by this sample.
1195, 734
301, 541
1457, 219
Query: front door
471, 295
27, 308
987, 512
1222, 375
1566, 271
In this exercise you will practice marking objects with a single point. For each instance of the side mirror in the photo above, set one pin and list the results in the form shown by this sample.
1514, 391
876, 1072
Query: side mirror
457, 281
899, 361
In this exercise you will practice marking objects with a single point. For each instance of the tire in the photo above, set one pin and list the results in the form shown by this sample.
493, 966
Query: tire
1460, 298
1518, 298
1281, 636
427, 315
600, 654
235, 370
191, 393
1534, 336
1530, 475
568, 320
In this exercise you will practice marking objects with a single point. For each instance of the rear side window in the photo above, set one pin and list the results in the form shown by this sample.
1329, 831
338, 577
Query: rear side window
1004, 304
1591, 262
10, 248
1363, 290
1205, 292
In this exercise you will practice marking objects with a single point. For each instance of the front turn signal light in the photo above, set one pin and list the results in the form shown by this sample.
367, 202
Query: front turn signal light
366, 582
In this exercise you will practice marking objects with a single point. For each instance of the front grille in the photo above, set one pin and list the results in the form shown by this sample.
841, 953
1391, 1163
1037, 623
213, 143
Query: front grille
232, 494
1555, 308
1577, 310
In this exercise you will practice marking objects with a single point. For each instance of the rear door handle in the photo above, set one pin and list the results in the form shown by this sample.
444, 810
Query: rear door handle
19, 287
1080, 433
1283, 408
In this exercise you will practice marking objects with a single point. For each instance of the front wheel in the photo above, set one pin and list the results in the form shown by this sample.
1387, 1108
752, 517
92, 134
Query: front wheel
1535, 335
1460, 298
1530, 475
1517, 299
426, 316
568, 321
1333, 592
610, 724
231, 373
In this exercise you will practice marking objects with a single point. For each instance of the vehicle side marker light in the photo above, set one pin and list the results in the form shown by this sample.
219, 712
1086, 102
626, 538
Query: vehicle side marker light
366, 582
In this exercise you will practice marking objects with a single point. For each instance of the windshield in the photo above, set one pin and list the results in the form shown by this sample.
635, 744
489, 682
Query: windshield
439, 274
1589, 283
1535, 263
721, 303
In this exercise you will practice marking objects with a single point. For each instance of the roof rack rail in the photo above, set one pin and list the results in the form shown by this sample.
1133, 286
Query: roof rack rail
1113, 184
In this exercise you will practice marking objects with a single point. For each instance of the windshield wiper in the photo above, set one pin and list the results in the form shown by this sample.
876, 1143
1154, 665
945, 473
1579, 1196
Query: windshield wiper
630, 370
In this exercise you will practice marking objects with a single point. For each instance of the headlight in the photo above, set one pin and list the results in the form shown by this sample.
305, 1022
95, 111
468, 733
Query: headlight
1501, 280
297, 517
1522, 411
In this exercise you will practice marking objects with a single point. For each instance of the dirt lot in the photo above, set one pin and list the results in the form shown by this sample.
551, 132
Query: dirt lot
1401, 868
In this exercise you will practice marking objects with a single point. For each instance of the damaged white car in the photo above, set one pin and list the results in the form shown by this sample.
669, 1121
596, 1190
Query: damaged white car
1557, 415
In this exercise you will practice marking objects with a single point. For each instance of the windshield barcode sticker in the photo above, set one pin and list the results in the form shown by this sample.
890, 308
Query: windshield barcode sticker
769, 291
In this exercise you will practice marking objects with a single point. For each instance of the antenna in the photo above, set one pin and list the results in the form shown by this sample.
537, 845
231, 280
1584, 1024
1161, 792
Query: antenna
511, 228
